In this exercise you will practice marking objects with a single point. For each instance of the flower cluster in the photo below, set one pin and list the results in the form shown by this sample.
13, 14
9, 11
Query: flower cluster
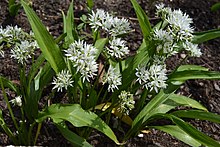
126, 102
153, 78
23, 51
105, 21
63, 80
113, 78
17, 101
83, 57
177, 35
117, 48
23, 44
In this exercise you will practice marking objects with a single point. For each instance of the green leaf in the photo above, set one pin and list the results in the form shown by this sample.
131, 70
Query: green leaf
192, 67
215, 7
73, 113
34, 68
146, 112
198, 114
194, 133
73, 138
45, 41
185, 101
7, 83
206, 36
90, 3
46, 75
100, 44
69, 25
187, 75
179, 134
13, 9
174, 101
6, 129
143, 19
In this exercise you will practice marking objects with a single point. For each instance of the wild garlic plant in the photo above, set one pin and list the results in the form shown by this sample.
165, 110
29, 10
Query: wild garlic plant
99, 77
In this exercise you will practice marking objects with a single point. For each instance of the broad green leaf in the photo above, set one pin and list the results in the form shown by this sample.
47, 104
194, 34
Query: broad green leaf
193, 132
179, 134
146, 112
69, 23
143, 19
187, 75
70, 26
198, 114
185, 101
206, 36
73, 113
174, 101
100, 44
9, 84
192, 67
73, 138
45, 41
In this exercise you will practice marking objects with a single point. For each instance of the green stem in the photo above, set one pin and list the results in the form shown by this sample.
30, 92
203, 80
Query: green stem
38, 132
8, 105
7, 130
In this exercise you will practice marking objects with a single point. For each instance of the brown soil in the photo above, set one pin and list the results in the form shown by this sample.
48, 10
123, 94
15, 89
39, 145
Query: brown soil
206, 92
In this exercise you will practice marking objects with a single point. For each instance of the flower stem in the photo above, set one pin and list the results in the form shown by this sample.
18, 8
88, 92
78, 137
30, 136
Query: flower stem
38, 132
8, 105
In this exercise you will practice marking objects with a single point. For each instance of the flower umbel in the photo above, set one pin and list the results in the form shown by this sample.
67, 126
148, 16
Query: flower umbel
192, 49
113, 78
153, 78
83, 57
17, 101
117, 48
105, 21
63, 80
126, 102
22, 52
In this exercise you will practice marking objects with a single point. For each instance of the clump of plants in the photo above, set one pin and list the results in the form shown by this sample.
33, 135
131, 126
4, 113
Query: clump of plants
97, 75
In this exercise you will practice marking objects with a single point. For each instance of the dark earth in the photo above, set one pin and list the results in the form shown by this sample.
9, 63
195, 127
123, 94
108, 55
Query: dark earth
206, 92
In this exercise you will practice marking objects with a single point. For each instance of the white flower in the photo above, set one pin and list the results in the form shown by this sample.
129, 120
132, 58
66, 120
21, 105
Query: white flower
113, 78
152, 78
113, 25
162, 35
63, 80
162, 11
157, 77
142, 74
192, 48
22, 52
17, 101
120, 26
83, 57
117, 48
126, 102
180, 25
96, 18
